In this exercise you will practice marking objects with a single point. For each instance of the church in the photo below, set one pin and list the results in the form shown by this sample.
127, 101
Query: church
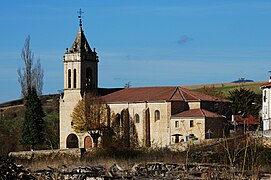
155, 116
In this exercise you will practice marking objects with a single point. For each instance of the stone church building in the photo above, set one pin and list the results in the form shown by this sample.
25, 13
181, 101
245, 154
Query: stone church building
159, 116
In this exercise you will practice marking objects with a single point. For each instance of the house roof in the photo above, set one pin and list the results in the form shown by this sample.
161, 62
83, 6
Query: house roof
197, 113
147, 94
266, 85
249, 120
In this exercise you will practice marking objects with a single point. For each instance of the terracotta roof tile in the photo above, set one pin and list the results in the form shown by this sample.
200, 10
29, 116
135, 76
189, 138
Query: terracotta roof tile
248, 120
197, 113
142, 94
166, 93
191, 95
266, 85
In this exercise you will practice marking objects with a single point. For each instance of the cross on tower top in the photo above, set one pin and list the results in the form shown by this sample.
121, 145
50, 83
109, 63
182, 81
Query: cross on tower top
80, 12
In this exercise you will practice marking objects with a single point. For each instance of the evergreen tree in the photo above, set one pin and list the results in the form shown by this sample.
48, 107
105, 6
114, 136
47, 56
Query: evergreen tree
33, 120
244, 102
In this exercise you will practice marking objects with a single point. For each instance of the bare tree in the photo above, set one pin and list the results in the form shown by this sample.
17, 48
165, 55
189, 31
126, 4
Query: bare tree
91, 115
38, 77
127, 85
29, 76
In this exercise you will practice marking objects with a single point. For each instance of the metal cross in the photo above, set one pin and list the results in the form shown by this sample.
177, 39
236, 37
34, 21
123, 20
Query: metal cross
80, 12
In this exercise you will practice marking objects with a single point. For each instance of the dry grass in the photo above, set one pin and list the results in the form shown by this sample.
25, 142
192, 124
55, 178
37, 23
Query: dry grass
222, 85
100, 157
242, 153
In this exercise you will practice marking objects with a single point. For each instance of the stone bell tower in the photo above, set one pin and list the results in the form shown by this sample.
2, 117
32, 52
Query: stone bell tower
80, 76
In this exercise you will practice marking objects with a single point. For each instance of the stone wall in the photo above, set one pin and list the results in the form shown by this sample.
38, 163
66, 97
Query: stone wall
45, 154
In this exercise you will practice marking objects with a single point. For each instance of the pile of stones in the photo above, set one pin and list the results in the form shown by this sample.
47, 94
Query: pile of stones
151, 170
9, 170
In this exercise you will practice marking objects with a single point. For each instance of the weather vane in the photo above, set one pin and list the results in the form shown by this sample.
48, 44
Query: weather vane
80, 12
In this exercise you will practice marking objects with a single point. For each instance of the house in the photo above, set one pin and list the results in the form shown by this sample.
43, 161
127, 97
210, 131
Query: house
243, 124
155, 116
266, 105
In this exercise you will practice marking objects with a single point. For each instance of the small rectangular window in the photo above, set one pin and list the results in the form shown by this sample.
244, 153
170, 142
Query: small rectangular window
191, 123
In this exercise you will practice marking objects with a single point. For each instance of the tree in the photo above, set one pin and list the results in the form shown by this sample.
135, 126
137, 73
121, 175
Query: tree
51, 129
33, 126
244, 102
127, 85
91, 115
30, 76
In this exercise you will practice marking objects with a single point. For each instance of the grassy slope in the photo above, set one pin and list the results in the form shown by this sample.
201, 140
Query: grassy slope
226, 87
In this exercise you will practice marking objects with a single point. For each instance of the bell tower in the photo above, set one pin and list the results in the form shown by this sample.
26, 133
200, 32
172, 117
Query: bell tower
80, 77
80, 65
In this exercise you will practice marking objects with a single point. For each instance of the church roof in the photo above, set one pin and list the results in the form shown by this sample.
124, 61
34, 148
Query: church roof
197, 113
80, 43
149, 94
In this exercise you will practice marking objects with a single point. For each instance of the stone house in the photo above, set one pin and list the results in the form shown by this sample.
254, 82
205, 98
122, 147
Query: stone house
156, 116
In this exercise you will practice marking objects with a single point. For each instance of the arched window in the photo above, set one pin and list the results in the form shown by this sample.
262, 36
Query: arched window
74, 78
137, 120
88, 77
88, 142
123, 117
69, 78
157, 115
72, 141
117, 120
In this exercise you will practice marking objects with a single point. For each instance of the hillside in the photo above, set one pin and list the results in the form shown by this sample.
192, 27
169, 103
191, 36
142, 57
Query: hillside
11, 123
15, 108
226, 87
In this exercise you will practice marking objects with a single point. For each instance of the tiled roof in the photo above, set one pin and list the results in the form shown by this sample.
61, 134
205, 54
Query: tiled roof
142, 94
197, 113
106, 91
248, 120
266, 85
166, 93
191, 95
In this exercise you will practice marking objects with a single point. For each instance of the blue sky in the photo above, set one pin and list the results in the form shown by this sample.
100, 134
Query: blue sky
149, 43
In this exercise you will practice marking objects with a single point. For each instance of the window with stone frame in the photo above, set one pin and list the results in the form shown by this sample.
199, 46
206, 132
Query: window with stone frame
191, 123
176, 124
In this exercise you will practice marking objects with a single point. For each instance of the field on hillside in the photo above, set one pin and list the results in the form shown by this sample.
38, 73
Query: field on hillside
226, 87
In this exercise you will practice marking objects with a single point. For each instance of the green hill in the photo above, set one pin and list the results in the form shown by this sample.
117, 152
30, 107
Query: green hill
226, 87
